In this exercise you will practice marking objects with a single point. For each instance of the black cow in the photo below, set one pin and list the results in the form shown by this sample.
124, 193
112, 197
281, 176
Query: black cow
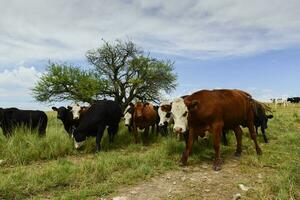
294, 99
261, 118
101, 114
66, 116
10, 118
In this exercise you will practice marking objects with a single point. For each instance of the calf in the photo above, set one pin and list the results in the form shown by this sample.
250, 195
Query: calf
10, 118
261, 118
101, 114
214, 111
144, 116
66, 116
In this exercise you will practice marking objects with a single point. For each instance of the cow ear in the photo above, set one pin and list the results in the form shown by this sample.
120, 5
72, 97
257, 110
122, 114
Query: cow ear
270, 116
69, 107
54, 108
192, 105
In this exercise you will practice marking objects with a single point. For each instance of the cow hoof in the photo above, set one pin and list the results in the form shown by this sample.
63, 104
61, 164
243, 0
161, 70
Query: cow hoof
237, 154
217, 167
183, 163
259, 152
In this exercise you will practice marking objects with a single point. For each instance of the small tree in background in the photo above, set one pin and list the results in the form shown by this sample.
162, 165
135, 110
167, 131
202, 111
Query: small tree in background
119, 70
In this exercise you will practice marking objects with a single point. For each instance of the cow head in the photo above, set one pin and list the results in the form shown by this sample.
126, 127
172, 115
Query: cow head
164, 112
265, 123
128, 114
62, 112
75, 109
138, 109
79, 139
180, 112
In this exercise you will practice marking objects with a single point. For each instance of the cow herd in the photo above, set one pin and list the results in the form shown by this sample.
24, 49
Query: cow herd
192, 116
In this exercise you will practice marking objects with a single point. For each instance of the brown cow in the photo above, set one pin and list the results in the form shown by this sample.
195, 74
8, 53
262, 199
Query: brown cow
214, 111
144, 116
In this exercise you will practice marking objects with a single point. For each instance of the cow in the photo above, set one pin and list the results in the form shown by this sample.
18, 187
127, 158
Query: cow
261, 118
128, 113
144, 116
166, 118
214, 111
11, 118
101, 114
293, 99
66, 116
279, 101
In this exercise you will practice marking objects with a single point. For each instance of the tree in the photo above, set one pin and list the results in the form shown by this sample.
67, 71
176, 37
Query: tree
120, 70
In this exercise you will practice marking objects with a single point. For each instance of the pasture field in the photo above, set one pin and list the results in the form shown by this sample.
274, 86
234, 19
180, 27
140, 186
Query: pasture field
50, 168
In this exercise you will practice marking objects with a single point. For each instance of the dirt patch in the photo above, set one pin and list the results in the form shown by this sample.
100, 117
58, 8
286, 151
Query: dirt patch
195, 182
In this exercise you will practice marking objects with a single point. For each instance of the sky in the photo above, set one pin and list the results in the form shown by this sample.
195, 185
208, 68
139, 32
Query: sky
249, 45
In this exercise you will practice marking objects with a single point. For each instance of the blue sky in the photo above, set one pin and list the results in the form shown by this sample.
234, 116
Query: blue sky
249, 45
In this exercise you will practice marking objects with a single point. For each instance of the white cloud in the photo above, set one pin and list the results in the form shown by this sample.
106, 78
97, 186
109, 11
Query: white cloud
61, 29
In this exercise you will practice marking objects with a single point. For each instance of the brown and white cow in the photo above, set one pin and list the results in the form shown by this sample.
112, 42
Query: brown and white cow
144, 116
214, 111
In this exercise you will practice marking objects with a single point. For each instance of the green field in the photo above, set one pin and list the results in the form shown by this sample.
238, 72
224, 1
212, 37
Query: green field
50, 168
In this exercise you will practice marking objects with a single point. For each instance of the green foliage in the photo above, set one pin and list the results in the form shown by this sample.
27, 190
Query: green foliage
65, 82
118, 70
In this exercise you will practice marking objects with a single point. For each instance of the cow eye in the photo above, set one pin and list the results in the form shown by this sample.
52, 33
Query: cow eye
184, 114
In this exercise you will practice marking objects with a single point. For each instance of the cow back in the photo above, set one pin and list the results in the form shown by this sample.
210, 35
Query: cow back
228, 106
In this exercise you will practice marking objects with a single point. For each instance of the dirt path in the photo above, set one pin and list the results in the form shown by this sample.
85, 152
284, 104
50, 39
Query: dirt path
194, 182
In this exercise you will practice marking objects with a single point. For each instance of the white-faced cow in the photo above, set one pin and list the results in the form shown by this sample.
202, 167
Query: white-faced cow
11, 118
101, 114
214, 111
128, 114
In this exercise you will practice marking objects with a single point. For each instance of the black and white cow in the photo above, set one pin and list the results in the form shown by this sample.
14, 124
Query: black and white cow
293, 99
100, 115
128, 113
10, 118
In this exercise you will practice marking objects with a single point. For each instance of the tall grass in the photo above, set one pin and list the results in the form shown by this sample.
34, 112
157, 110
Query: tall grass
49, 167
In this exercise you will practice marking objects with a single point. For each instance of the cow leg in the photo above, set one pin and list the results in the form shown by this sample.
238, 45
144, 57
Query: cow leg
135, 134
253, 137
188, 147
186, 137
225, 141
99, 137
264, 134
217, 131
112, 131
238, 135
146, 135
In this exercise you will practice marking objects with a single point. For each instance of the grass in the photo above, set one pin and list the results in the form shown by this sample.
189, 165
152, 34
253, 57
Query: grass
49, 167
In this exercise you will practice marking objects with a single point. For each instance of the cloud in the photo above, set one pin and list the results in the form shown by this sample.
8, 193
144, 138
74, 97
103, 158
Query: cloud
17, 82
60, 29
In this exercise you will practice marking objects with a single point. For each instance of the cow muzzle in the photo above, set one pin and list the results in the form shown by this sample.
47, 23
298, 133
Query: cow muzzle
178, 130
77, 145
